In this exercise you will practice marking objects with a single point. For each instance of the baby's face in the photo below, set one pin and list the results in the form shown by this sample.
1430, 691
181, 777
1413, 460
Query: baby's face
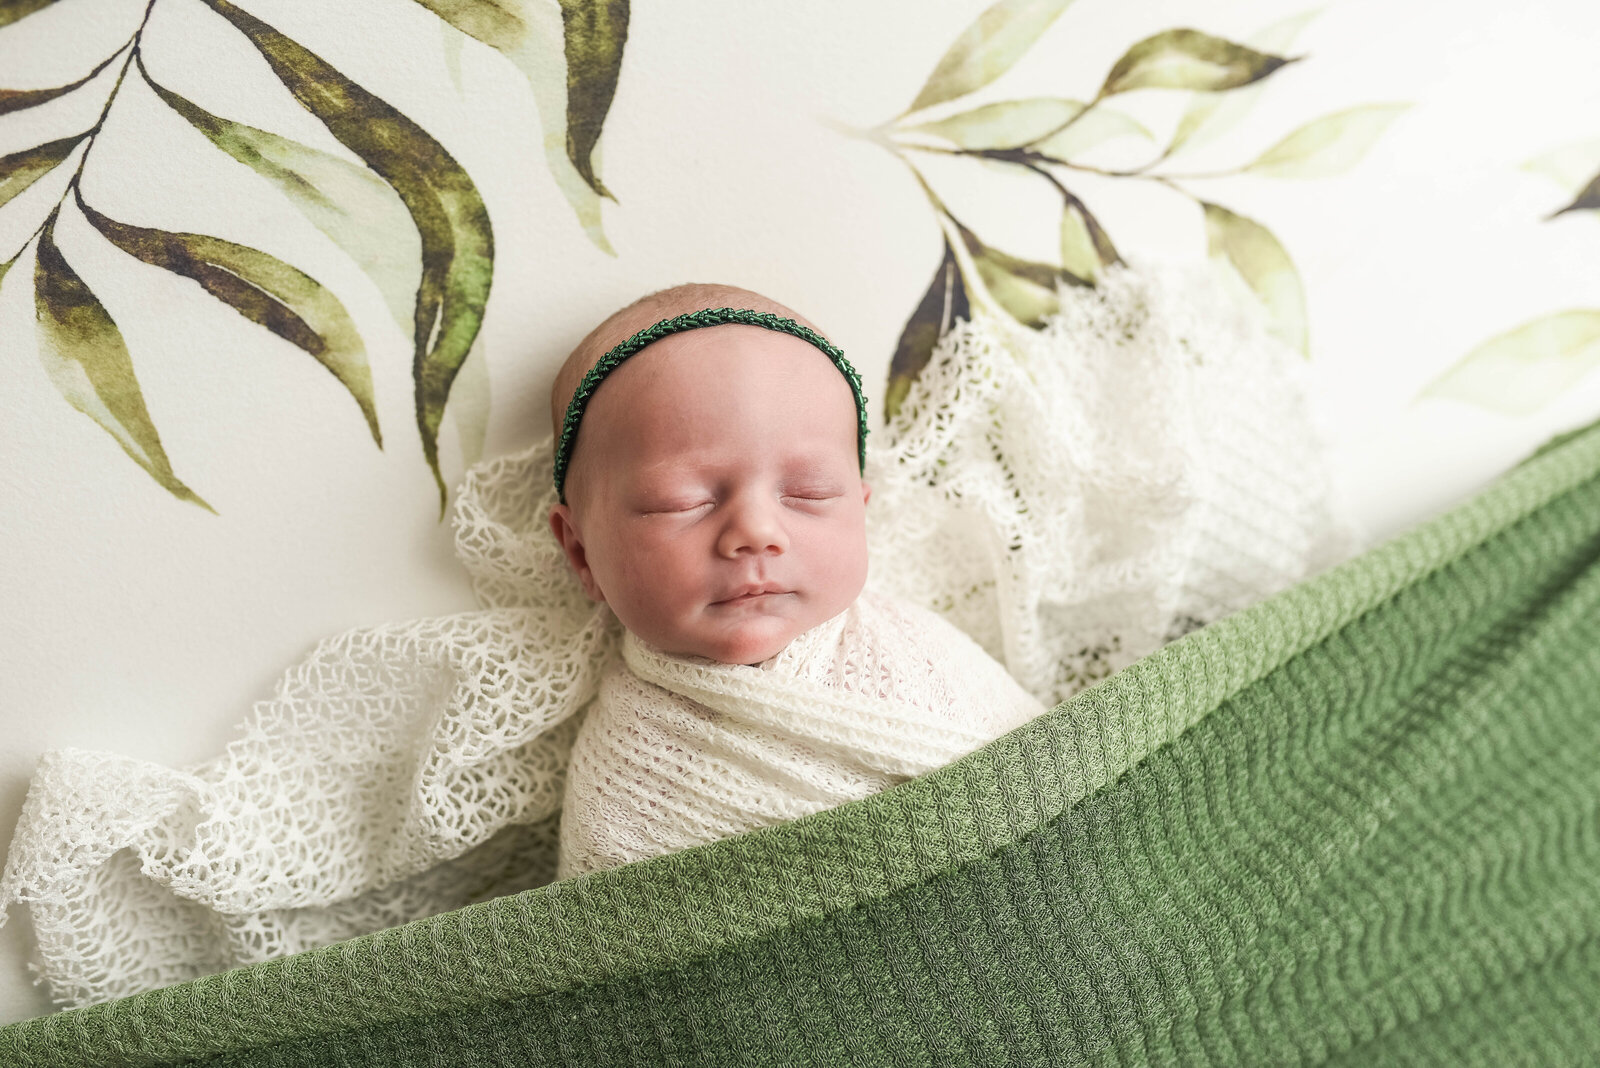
722, 458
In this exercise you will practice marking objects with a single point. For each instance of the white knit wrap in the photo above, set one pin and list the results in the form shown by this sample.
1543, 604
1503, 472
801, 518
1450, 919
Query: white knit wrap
1067, 499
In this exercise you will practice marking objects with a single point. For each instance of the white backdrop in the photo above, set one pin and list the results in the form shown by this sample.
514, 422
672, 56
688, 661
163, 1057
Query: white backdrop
141, 623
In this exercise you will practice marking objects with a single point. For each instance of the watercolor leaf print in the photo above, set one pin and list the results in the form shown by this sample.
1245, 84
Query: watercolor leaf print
1329, 145
590, 36
1264, 264
88, 362
12, 10
1210, 115
987, 49
355, 208
1055, 138
457, 245
1188, 59
261, 288
405, 212
1518, 372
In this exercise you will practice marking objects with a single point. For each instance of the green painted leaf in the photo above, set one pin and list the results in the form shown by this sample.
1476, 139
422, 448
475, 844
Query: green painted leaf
987, 48
1571, 166
261, 288
12, 10
1212, 114
355, 208
1007, 124
1329, 145
1099, 125
1265, 267
595, 32
87, 361
1085, 246
21, 169
17, 99
457, 243
532, 36
941, 307
1025, 289
1520, 371
1188, 59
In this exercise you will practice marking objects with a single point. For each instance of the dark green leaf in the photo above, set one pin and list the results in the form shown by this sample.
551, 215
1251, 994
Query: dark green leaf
457, 243
1188, 59
1025, 289
261, 288
595, 31
1587, 200
1520, 371
942, 306
987, 48
87, 361
12, 10
21, 169
532, 36
17, 99
347, 202
1265, 267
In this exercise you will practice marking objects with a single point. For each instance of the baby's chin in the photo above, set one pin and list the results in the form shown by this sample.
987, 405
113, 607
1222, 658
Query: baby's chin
748, 641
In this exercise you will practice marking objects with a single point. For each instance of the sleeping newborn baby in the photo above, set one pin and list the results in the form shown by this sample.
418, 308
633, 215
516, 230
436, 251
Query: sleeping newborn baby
710, 467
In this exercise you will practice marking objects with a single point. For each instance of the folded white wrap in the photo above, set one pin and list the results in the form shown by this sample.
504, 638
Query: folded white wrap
1069, 499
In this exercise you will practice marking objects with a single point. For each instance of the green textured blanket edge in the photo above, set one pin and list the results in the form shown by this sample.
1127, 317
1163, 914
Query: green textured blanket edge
679, 907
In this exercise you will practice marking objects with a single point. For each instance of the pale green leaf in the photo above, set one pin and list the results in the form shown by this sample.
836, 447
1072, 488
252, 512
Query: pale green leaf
1188, 59
449, 214
987, 48
534, 37
1025, 289
1572, 167
355, 208
1329, 145
87, 361
1520, 371
1265, 266
1099, 125
21, 169
263, 289
1212, 114
1006, 124
1085, 246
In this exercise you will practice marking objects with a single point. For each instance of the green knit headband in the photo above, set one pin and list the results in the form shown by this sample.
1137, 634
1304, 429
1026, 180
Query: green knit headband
694, 321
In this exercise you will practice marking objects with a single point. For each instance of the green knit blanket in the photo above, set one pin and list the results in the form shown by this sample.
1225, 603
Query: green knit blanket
1355, 824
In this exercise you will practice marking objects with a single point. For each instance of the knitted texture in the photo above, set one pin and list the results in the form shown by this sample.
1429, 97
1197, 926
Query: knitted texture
1354, 824
1069, 500
679, 751
694, 321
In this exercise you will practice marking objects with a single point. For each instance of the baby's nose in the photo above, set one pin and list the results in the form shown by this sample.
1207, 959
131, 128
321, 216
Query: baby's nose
755, 525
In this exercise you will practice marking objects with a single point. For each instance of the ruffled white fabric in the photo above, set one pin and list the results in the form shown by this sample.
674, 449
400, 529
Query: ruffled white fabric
1069, 499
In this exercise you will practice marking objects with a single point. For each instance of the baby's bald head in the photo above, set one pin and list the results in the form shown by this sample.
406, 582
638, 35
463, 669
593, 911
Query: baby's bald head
623, 324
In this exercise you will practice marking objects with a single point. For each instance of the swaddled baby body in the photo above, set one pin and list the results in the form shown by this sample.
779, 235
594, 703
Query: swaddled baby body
714, 501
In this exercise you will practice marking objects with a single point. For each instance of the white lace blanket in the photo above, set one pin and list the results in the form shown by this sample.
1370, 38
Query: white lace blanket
1069, 499
678, 751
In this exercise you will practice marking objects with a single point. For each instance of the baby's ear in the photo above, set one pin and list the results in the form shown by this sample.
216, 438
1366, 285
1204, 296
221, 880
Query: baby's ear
566, 533
866, 493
